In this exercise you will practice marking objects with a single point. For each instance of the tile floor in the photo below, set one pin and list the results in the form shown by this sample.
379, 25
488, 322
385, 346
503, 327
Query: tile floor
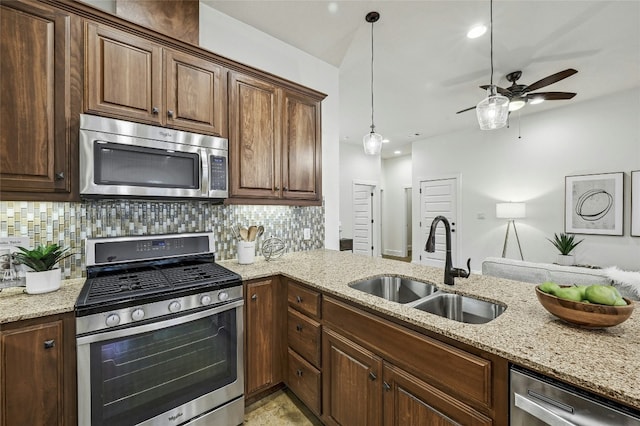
281, 408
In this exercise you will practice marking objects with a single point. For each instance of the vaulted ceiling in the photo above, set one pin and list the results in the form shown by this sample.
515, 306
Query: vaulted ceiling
426, 68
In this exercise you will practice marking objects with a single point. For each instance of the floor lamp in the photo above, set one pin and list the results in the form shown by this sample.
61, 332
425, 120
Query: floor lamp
511, 211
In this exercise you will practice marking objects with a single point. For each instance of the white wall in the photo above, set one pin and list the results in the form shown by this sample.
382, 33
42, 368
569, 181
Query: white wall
396, 173
354, 166
235, 40
595, 136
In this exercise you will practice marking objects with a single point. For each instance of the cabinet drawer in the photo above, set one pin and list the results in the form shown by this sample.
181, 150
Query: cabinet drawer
304, 380
303, 335
304, 300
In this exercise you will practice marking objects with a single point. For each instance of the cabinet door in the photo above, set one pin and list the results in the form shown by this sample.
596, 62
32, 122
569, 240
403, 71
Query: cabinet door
32, 375
35, 146
196, 95
253, 138
352, 390
123, 76
409, 401
301, 148
263, 352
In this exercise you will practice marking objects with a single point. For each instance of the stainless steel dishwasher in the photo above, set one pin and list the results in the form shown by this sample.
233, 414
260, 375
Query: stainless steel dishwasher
539, 400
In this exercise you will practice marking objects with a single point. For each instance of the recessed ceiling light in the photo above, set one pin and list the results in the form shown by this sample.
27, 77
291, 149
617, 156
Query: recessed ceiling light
332, 7
397, 152
476, 31
385, 140
536, 100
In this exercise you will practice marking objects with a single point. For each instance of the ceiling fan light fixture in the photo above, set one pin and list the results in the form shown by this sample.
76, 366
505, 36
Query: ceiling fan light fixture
492, 111
372, 141
536, 100
516, 104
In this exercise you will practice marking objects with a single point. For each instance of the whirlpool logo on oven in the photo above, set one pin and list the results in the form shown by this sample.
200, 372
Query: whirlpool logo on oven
175, 417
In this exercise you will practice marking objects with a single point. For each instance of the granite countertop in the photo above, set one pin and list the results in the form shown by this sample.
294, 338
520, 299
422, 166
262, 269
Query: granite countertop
606, 361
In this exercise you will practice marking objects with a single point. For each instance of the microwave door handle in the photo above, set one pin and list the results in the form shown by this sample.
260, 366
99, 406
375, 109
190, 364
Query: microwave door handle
204, 173
539, 412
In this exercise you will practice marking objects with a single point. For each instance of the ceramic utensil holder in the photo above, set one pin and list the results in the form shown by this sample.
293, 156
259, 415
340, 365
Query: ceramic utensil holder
246, 252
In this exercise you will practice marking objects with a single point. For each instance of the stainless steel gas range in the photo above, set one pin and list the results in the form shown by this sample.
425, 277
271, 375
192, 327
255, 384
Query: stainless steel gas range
159, 334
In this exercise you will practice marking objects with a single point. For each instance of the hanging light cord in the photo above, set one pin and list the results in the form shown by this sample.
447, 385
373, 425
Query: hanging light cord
372, 126
491, 36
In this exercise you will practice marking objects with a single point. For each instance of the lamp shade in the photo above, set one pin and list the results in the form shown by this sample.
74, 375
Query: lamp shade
372, 143
510, 210
493, 111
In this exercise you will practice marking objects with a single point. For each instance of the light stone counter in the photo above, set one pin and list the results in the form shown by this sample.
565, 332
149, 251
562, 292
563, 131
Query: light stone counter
606, 361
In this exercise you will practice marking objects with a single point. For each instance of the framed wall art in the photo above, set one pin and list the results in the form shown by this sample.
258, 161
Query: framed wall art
635, 203
594, 204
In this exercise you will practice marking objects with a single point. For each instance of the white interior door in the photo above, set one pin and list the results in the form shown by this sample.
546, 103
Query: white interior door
438, 197
363, 219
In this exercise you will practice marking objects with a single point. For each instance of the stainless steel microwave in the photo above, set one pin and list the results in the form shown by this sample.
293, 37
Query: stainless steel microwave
121, 158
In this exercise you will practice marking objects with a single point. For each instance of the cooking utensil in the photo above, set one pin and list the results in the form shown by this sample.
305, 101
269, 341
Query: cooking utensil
244, 234
260, 231
234, 231
252, 232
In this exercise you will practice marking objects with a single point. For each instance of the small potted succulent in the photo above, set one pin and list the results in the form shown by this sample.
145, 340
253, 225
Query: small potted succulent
565, 244
43, 276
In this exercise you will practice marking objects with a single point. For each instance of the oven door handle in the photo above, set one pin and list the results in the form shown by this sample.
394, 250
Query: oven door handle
152, 326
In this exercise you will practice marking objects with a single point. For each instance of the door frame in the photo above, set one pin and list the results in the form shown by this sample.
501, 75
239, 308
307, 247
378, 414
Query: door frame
406, 220
416, 207
376, 215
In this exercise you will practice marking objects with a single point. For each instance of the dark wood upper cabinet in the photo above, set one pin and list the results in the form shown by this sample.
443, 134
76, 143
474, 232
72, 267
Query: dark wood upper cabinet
275, 140
301, 148
38, 73
132, 78
254, 137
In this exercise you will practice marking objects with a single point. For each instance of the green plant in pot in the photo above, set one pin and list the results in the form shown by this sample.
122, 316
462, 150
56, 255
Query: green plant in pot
43, 276
565, 244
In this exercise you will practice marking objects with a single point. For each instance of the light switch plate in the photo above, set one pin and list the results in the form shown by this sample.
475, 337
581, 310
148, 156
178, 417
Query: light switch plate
307, 233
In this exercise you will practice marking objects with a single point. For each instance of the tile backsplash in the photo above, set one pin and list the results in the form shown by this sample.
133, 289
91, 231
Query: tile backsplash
69, 224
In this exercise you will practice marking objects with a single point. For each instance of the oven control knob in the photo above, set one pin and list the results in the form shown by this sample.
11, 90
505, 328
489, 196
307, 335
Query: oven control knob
137, 314
222, 296
112, 319
174, 306
205, 300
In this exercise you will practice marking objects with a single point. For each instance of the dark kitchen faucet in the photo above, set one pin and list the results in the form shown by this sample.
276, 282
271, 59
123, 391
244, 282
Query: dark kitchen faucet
449, 271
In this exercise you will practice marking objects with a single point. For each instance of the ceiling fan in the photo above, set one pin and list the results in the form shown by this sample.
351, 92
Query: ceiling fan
520, 94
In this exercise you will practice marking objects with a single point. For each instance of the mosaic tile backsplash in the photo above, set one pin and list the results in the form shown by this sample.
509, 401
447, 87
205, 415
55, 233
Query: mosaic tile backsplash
69, 224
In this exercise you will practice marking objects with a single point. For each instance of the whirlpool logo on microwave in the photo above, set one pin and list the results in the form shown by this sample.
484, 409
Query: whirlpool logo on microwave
165, 134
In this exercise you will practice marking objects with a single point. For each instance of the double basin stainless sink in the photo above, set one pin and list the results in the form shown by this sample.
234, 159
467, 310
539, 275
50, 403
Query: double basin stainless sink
428, 298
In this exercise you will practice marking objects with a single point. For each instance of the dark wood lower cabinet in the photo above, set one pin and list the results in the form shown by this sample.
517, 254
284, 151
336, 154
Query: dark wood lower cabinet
409, 401
264, 352
352, 382
38, 372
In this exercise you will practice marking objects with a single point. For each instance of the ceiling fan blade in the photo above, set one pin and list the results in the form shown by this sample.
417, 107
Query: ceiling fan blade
551, 79
465, 110
551, 96
503, 92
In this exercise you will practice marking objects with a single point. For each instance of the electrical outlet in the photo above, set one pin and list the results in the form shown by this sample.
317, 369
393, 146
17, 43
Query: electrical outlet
306, 233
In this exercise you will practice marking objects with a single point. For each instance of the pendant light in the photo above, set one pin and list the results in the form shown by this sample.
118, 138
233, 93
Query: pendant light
372, 141
493, 111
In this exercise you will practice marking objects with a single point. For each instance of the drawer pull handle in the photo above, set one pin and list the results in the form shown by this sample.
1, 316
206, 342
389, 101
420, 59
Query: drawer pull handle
372, 376
386, 386
298, 299
48, 344
299, 373
254, 297
298, 327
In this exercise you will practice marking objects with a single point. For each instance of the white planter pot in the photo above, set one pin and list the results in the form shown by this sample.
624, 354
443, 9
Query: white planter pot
566, 259
43, 282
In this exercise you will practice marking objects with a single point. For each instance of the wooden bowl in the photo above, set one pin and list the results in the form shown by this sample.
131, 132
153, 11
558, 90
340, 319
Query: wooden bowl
590, 315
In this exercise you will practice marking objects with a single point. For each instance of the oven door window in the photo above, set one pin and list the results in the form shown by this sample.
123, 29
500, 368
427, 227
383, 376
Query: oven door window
138, 377
118, 164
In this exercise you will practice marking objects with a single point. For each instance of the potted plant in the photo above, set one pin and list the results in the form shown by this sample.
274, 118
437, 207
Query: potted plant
43, 276
565, 244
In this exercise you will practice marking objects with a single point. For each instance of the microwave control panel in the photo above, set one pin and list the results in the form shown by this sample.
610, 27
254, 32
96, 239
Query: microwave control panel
218, 173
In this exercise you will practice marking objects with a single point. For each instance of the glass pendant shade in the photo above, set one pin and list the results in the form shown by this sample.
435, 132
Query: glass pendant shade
372, 143
493, 111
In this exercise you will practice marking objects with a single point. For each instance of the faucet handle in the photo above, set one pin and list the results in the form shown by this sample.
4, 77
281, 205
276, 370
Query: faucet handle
459, 272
